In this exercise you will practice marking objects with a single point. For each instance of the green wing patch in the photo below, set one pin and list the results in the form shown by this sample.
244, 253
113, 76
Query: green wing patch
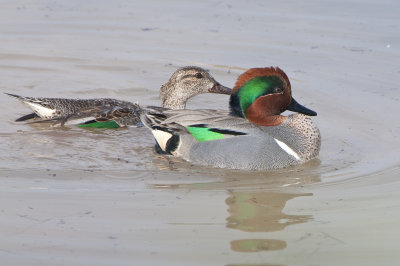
95, 124
202, 133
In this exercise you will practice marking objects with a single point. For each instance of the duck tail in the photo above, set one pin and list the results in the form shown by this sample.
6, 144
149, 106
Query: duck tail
20, 98
14, 95
167, 139
25, 117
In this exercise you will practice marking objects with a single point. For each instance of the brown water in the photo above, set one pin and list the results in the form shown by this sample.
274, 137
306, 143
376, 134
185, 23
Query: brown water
72, 196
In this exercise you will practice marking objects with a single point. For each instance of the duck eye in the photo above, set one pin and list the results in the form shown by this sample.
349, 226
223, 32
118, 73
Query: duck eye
277, 90
199, 75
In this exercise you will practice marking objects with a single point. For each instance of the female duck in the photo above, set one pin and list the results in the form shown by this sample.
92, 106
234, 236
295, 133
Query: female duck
252, 136
185, 83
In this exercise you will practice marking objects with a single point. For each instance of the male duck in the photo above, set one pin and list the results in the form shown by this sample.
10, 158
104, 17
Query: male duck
185, 83
252, 136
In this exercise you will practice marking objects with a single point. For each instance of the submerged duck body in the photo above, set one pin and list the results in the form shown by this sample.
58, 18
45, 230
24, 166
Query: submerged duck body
253, 135
185, 83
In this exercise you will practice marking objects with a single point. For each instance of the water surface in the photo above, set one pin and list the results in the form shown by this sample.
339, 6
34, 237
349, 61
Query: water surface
73, 196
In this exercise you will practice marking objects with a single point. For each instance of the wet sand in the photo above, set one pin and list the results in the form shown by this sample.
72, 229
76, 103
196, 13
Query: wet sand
72, 196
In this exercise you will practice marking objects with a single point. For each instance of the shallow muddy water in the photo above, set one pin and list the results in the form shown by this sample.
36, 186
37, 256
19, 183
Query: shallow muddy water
73, 196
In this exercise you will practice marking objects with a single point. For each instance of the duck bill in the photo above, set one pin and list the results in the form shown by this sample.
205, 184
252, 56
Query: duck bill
220, 89
296, 107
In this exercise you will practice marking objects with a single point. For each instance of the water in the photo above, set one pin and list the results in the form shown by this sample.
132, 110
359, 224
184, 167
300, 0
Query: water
73, 196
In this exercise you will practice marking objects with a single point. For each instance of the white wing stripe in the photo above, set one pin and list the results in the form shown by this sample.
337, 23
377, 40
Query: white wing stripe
287, 149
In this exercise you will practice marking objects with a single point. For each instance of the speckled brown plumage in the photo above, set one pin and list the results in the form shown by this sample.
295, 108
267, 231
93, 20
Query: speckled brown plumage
186, 82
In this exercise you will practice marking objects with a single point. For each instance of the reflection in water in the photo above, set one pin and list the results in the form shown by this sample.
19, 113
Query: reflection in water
255, 245
253, 207
188, 176
246, 264
260, 212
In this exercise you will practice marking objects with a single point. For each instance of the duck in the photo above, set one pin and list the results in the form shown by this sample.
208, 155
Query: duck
252, 135
185, 83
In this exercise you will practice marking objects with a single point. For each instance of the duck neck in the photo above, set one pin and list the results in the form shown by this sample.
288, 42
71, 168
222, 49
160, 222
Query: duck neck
174, 99
259, 115
234, 106
266, 121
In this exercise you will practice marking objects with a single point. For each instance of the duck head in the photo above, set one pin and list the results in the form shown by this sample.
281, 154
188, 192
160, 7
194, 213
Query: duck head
187, 82
262, 94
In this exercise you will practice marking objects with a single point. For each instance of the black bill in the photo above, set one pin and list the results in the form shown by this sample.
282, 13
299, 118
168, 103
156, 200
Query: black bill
296, 107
